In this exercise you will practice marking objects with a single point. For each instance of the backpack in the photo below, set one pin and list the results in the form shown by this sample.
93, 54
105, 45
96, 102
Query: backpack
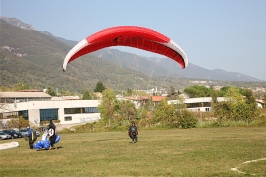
134, 131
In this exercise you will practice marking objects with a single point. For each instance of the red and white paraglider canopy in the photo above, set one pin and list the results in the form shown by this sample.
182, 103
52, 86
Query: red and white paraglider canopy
131, 36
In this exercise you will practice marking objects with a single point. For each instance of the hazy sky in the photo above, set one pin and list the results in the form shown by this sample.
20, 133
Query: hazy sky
224, 34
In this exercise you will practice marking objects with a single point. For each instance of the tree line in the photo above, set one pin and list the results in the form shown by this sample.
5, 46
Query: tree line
239, 106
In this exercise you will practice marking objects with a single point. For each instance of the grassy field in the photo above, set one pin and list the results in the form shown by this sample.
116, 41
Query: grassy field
179, 152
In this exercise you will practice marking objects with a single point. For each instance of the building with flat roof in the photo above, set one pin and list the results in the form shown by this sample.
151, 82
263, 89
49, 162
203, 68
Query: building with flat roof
202, 104
11, 97
38, 106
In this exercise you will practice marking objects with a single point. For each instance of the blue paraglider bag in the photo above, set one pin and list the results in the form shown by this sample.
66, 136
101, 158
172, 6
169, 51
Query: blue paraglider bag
57, 138
45, 143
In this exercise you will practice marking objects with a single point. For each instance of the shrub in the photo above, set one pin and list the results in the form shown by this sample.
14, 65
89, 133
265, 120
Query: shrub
186, 119
261, 120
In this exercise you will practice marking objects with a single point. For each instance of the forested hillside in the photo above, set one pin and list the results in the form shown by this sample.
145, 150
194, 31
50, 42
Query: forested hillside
35, 58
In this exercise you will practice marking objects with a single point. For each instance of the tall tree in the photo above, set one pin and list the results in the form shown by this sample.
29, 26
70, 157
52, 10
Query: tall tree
196, 91
127, 110
86, 95
163, 112
129, 92
221, 111
50, 91
108, 105
224, 89
236, 107
99, 87
234, 101
185, 119
250, 107
214, 95
249, 96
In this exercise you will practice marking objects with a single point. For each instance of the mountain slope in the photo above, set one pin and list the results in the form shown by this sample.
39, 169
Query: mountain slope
162, 67
165, 67
36, 58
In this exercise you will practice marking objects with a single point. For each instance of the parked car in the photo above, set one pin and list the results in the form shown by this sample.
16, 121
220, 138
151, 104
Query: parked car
13, 133
4, 136
37, 132
24, 132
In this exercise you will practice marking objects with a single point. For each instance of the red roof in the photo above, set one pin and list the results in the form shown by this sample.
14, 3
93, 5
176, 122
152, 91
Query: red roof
157, 98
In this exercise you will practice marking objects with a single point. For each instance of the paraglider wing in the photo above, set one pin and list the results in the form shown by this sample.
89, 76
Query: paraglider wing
132, 36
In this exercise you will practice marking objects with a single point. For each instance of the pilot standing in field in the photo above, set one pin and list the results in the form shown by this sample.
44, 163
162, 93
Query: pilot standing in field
52, 134
133, 132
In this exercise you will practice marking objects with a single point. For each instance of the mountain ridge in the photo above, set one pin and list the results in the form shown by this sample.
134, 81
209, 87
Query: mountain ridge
35, 58
192, 71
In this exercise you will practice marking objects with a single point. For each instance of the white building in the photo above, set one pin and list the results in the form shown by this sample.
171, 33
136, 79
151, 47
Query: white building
38, 106
202, 104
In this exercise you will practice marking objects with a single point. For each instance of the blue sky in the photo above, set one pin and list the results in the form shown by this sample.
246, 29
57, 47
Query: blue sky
225, 34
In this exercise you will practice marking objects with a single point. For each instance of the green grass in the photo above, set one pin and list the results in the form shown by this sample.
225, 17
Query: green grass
178, 152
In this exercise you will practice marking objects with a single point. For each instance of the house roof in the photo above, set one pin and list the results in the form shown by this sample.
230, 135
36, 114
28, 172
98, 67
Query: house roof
157, 98
137, 98
260, 101
32, 90
24, 95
